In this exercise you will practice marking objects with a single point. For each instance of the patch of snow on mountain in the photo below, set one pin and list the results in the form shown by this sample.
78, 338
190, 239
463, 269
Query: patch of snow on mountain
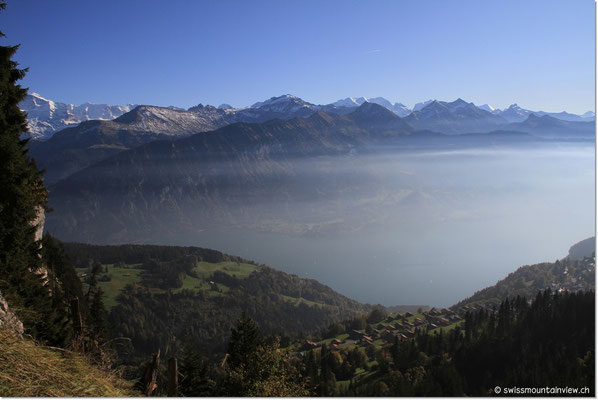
488, 107
44, 116
421, 105
398, 108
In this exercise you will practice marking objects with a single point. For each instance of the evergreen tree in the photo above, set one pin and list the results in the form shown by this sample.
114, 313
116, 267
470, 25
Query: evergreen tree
327, 381
63, 282
311, 369
22, 198
98, 315
244, 340
93, 280
195, 374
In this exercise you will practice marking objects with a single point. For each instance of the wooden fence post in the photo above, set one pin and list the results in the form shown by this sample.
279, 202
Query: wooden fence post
151, 374
173, 378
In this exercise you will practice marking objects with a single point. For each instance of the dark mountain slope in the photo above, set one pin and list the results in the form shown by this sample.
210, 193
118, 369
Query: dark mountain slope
208, 177
454, 118
242, 175
550, 127
75, 148
585, 248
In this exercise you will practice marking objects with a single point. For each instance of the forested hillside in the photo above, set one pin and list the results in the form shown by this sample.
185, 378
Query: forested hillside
566, 274
546, 344
163, 297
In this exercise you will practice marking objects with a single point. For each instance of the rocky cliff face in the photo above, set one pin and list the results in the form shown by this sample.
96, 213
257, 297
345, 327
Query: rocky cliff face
585, 248
8, 320
39, 223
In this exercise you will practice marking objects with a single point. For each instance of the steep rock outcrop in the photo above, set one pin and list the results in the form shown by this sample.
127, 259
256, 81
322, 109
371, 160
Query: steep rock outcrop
8, 319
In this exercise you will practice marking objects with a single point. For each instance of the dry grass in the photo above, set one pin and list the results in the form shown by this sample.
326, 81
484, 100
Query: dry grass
30, 370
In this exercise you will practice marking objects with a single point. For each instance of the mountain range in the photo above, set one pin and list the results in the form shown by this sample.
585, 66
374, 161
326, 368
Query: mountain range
46, 117
78, 146
162, 170
454, 118
216, 178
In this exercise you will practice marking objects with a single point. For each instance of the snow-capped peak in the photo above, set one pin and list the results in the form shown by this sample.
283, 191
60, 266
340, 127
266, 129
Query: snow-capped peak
45, 116
350, 102
398, 108
487, 107
286, 98
39, 96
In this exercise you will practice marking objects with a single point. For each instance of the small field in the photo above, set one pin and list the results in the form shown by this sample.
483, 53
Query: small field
297, 300
235, 269
124, 275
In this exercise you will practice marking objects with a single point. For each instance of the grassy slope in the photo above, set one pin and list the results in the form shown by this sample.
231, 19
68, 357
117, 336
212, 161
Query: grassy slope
31, 370
120, 277
130, 274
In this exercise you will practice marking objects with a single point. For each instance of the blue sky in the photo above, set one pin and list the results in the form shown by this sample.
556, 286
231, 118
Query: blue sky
539, 54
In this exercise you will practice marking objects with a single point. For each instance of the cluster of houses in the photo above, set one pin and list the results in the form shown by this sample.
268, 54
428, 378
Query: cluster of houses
579, 276
400, 326
576, 275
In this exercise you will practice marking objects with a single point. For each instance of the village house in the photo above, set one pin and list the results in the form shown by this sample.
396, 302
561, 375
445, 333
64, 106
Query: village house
355, 335
366, 339
388, 336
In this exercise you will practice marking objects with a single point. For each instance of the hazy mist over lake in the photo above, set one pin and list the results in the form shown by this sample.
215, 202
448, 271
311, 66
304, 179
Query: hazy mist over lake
423, 227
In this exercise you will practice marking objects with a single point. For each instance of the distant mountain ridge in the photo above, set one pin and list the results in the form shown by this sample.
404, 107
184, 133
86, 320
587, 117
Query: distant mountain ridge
46, 117
514, 113
454, 118
550, 127
132, 193
74, 148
